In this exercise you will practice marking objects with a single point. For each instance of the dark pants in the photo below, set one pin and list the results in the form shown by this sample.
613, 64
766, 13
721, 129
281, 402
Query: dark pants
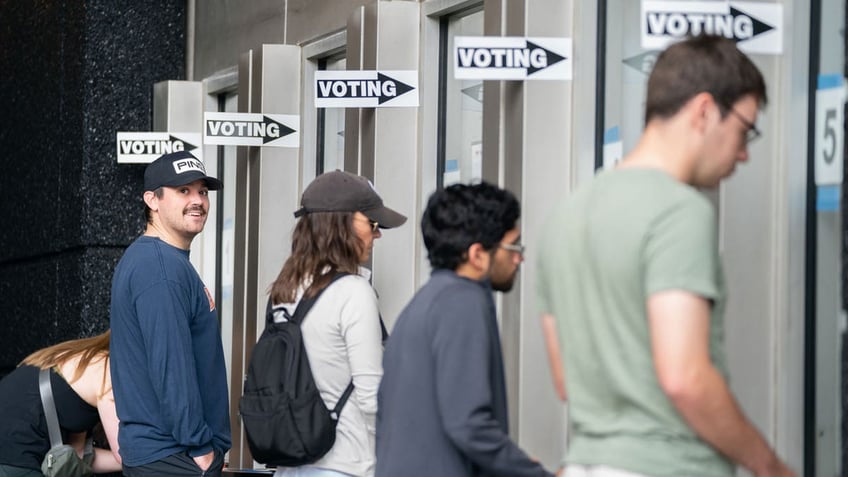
12, 471
177, 465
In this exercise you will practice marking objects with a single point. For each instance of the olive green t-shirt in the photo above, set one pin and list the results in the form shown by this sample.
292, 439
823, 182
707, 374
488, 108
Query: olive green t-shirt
604, 249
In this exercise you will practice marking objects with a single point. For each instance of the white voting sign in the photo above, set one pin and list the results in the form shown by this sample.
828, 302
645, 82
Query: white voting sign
757, 27
145, 147
366, 89
251, 129
512, 58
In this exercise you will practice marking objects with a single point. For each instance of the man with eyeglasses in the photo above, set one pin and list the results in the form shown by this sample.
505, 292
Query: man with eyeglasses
631, 287
442, 408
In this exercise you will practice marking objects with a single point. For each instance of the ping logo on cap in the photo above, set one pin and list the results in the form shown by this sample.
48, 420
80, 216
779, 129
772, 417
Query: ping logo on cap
188, 164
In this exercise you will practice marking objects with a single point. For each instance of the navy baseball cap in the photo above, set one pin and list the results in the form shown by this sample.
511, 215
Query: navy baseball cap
176, 169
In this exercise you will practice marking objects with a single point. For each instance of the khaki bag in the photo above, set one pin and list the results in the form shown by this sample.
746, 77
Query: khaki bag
61, 460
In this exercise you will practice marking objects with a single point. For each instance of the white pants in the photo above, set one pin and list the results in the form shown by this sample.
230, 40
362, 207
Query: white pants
308, 472
573, 470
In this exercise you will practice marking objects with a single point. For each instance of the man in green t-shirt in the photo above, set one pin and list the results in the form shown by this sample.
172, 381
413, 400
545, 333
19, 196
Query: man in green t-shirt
631, 284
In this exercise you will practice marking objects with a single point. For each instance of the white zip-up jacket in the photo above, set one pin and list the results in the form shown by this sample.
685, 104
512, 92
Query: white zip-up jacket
342, 337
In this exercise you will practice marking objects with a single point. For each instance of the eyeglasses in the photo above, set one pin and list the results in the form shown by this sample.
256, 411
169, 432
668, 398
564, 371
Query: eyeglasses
373, 223
752, 132
512, 247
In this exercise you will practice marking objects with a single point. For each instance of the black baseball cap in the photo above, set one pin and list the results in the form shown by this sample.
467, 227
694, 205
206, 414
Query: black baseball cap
340, 191
176, 169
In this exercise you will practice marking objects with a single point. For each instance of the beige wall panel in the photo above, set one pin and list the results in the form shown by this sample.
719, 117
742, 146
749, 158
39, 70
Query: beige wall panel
547, 164
788, 97
761, 232
354, 52
746, 228
279, 186
395, 143
309, 19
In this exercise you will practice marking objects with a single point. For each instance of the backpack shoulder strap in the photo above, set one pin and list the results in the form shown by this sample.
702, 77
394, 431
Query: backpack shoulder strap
302, 309
342, 400
306, 303
269, 312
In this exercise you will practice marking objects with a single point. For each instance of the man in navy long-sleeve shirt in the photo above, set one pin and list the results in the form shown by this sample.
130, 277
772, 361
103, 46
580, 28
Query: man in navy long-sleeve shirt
442, 406
167, 360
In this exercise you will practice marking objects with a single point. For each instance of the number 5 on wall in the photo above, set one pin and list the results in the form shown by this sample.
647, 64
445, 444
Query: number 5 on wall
830, 128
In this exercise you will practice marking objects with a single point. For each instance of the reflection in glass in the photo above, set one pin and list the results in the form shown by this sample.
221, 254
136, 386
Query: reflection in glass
461, 109
627, 67
825, 340
226, 235
331, 125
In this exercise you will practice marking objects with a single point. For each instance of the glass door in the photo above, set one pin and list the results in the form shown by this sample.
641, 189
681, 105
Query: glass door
461, 107
225, 256
331, 126
825, 397
622, 79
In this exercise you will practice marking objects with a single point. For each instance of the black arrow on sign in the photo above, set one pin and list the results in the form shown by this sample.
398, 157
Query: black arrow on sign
188, 145
400, 88
284, 130
759, 27
552, 58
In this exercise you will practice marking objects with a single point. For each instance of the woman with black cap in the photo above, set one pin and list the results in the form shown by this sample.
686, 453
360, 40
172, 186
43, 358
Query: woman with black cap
341, 215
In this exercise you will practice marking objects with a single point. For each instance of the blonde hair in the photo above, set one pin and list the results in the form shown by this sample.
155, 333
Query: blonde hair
87, 349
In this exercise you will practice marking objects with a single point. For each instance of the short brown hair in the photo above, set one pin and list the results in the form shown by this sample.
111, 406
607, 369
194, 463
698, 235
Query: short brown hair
705, 63
147, 212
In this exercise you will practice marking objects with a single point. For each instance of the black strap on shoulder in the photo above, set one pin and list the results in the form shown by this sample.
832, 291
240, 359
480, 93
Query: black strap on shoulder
269, 312
306, 303
302, 308
384, 333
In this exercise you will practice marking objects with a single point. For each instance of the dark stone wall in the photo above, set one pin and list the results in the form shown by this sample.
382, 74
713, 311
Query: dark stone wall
72, 74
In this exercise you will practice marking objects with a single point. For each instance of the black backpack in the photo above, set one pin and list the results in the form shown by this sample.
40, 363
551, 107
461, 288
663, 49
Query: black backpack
286, 421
